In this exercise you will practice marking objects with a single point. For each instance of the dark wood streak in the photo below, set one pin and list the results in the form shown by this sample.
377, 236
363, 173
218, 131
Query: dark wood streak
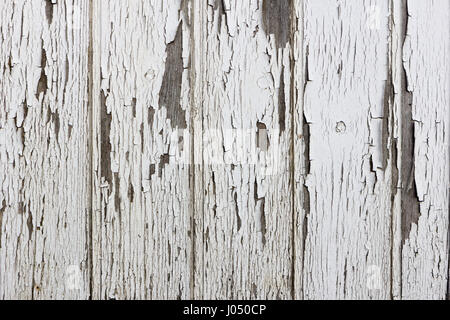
105, 156
130, 192
49, 11
410, 203
236, 208
277, 20
219, 5
42, 83
282, 104
169, 95
117, 192
54, 116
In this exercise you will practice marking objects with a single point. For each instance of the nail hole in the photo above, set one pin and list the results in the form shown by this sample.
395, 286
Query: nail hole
340, 127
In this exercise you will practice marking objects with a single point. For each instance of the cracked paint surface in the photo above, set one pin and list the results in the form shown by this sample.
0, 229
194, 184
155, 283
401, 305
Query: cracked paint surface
223, 149
44, 155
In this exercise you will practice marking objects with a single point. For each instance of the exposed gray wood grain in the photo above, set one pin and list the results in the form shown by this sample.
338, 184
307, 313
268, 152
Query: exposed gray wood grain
44, 155
345, 161
426, 52
142, 245
219, 149
246, 219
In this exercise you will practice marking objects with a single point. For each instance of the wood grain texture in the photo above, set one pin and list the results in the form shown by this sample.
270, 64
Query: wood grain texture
224, 149
141, 93
245, 225
346, 224
44, 155
426, 63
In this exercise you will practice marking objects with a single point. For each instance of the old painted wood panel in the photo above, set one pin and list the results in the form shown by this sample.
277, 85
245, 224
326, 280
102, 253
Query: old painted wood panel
220, 149
425, 150
142, 245
44, 152
348, 170
245, 226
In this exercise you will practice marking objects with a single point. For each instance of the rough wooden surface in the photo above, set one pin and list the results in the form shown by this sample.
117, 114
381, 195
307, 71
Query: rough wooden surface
346, 115
218, 149
426, 53
44, 154
142, 242
246, 221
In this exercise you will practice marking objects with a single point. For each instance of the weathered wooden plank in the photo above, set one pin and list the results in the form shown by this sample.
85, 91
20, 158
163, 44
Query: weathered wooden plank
344, 230
44, 161
245, 224
425, 132
142, 247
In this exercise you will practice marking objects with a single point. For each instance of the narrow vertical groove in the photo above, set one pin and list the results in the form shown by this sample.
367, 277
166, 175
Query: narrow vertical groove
40, 84
33, 284
305, 144
448, 250
197, 46
393, 148
403, 91
191, 158
292, 100
94, 114
397, 38
448, 264
91, 145
300, 149
202, 13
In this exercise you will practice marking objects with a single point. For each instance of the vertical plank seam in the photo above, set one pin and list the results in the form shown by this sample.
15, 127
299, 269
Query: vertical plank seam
196, 166
94, 102
33, 280
448, 254
91, 145
191, 157
202, 164
299, 202
292, 147
392, 65
305, 140
403, 88
398, 76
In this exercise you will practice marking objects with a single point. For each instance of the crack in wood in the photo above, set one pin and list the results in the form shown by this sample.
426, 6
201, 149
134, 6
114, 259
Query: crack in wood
236, 208
42, 83
105, 144
281, 104
117, 192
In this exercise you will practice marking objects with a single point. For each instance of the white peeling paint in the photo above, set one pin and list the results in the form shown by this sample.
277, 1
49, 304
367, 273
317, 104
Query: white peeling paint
44, 159
223, 149
426, 61
347, 231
